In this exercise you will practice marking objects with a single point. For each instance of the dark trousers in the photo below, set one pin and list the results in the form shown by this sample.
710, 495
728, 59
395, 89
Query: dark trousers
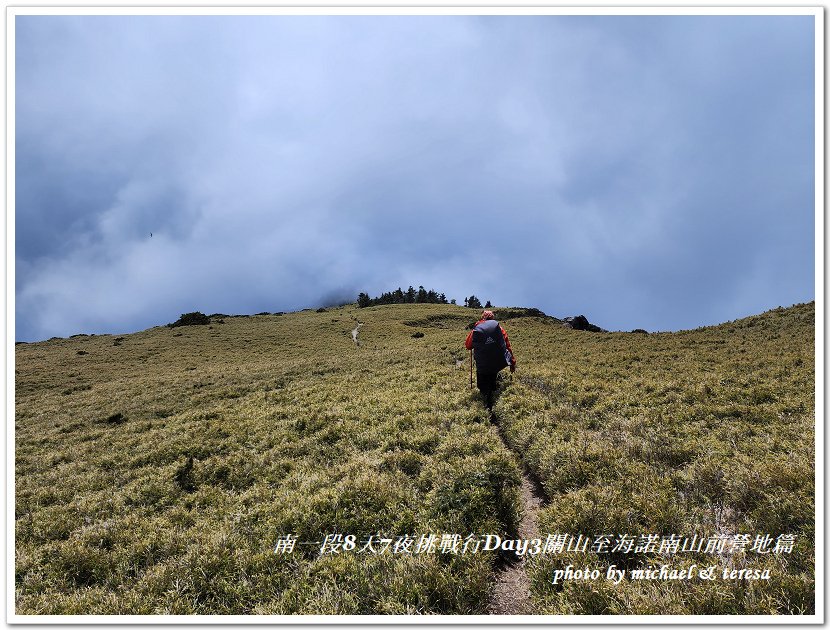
487, 384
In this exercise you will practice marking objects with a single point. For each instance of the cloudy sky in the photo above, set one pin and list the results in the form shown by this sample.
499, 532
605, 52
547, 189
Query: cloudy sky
647, 172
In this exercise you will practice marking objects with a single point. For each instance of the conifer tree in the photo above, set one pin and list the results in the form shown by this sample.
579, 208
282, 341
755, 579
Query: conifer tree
410, 296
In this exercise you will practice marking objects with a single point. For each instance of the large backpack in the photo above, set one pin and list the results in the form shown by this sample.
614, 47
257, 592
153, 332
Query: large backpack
488, 344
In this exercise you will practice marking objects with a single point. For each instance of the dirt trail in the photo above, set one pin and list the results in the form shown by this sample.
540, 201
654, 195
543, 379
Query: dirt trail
511, 592
355, 332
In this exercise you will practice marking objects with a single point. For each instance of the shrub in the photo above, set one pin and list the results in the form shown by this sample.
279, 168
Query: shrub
116, 418
184, 476
191, 319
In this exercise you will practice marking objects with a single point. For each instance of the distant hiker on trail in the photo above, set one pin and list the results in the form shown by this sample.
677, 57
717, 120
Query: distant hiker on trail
492, 351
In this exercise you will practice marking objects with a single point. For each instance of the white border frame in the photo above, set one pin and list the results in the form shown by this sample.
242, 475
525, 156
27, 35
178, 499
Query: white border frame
338, 8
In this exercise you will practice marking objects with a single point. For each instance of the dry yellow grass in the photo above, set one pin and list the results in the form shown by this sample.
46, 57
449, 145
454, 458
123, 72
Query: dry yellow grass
293, 428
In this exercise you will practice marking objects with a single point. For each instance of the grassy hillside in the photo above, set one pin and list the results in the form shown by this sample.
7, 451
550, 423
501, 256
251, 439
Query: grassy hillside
295, 429
707, 432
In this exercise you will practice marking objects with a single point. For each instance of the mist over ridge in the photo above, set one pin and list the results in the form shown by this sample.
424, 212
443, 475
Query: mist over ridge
648, 172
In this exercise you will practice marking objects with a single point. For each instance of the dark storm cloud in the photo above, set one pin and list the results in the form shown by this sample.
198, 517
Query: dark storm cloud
648, 171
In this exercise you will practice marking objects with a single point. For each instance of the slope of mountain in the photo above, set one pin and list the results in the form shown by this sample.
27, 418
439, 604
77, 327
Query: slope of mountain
158, 472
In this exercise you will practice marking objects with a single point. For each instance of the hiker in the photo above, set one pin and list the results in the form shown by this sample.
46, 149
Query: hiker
493, 353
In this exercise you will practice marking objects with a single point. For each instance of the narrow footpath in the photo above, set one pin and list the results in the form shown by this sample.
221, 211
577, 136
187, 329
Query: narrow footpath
511, 592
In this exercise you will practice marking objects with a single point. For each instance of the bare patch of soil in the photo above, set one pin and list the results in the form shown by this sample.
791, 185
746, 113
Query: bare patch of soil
511, 592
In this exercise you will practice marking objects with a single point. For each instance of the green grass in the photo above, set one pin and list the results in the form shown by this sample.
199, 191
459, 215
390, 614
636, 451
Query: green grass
701, 432
292, 428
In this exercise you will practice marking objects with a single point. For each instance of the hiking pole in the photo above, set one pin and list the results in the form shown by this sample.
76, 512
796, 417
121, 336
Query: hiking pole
471, 368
